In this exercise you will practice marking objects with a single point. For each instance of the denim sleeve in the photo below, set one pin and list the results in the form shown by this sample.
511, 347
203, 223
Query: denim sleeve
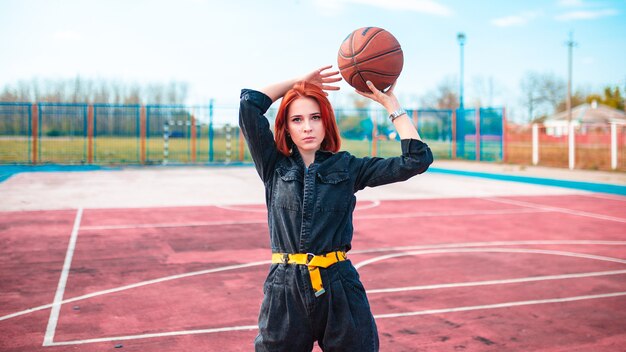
371, 172
256, 131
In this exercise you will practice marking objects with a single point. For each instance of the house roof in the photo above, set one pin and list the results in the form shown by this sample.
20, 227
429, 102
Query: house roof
591, 113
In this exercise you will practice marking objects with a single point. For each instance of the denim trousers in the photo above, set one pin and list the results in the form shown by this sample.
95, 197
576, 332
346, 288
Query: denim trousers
292, 318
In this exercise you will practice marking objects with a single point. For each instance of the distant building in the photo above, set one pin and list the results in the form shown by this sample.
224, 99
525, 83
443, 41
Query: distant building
584, 117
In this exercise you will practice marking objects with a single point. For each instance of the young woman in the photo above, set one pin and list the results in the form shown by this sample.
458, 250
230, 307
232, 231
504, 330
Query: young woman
312, 292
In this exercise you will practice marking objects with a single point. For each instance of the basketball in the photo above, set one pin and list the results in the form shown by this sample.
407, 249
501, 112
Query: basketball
370, 54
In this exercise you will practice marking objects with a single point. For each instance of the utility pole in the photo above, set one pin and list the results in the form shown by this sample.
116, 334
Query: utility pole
571, 143
570, 45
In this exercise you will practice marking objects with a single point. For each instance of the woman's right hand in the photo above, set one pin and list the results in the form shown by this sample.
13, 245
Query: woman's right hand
323, 79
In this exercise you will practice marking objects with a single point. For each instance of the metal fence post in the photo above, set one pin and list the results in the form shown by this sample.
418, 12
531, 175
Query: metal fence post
535, 144
90, 134
211, 152
453, 125
193, 137
35, 132
505, 132
572, 146
143, 132
613, 146
478, 133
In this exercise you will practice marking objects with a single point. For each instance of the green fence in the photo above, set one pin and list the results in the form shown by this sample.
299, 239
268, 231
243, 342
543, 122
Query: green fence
41, 133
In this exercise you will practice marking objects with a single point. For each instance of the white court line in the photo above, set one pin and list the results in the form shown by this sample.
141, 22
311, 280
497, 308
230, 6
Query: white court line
497, 282
377, 316
386, 249
451, 213
361, 217
492, 250
375, 203
58, 297
235, 208
138, 284
166, 225
606, 196
162, 334
492, 243
500, 305
556, 209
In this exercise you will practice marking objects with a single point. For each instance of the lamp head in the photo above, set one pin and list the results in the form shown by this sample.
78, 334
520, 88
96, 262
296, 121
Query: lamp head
461, 38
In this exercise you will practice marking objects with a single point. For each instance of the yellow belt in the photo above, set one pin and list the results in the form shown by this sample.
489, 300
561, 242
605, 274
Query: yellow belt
314, 262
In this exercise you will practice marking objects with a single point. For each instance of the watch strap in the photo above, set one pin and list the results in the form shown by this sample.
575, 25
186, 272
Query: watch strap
394, 115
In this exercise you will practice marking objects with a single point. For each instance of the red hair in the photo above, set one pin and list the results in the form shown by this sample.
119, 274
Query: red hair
302, 89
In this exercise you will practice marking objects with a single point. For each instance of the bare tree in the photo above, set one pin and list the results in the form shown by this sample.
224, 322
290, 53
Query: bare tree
80, 90
541, 93
443, 97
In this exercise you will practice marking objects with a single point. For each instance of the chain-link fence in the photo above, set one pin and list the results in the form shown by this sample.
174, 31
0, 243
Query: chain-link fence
183, 134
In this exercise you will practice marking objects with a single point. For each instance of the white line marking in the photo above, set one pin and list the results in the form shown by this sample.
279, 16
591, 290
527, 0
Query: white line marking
556, 209
375, 203
373, 250
138, 284
499, 305
162, 334
494, 250
166, 225
362, 217
493, 243
58, 297
452, 213
607, 196
235, 208
497, 282
377, 316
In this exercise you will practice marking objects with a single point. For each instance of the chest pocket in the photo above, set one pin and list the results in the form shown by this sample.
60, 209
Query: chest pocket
334, 191
288, 189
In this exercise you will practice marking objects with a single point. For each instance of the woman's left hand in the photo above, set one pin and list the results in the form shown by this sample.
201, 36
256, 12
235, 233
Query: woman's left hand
322, 79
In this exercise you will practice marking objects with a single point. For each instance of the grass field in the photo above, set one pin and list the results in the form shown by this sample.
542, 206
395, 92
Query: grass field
127, 150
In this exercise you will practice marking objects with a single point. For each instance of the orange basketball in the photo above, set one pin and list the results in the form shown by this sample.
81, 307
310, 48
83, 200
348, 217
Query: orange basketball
370, 54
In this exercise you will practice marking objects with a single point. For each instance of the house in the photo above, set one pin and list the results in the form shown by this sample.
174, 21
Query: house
584, 117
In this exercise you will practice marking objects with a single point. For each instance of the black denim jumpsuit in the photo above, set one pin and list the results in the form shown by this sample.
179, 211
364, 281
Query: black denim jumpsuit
310, 211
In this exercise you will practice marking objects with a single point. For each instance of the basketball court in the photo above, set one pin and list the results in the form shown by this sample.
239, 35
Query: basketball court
174, 259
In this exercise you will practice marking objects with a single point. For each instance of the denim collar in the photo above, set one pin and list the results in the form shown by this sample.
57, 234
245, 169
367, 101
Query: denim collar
320, 156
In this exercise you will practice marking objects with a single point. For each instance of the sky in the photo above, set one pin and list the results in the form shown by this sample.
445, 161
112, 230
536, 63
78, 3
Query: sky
221, 46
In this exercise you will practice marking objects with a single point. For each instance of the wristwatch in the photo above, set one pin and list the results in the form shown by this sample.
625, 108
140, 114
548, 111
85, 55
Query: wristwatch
394, 115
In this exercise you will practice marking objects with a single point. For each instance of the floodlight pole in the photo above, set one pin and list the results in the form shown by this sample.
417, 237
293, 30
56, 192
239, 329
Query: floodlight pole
461, 39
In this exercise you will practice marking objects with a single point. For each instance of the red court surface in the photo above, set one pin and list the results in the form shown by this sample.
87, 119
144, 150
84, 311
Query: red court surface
536, 273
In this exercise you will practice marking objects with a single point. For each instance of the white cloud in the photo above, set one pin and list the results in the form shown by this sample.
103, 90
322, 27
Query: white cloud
515, 20
570, 3
430, 7
66, 36
586, 15
329, 7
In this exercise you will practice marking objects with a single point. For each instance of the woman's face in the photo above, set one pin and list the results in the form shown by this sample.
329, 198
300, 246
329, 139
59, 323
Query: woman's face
304, 124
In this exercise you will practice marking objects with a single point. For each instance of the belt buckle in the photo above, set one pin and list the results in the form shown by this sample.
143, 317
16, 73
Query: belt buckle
285, 258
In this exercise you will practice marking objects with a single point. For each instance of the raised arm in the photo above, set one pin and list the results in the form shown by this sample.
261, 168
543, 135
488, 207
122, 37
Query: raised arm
317, 77
416, 155
389, 101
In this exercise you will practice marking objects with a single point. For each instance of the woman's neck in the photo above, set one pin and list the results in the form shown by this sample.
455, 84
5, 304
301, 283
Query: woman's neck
308, 156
